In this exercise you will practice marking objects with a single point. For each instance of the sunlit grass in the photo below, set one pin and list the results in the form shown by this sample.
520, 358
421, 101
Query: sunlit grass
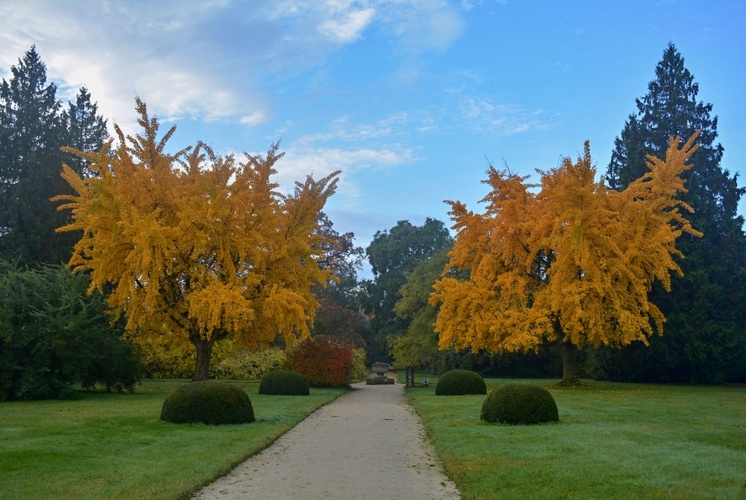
115, 446
612, 441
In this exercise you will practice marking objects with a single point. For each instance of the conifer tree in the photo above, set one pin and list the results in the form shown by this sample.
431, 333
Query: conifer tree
86, 130
30, 164
33, 129
706, 310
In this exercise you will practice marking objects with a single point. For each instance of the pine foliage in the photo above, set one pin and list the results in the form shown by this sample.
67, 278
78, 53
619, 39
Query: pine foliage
706, 338
33, 128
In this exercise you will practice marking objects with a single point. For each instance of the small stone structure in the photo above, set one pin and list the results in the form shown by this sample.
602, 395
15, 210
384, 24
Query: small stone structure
379, 374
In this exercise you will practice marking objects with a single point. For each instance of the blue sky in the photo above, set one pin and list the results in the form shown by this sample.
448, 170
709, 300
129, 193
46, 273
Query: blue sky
410, 99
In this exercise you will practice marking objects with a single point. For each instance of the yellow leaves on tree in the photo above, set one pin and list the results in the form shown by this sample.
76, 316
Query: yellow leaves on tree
572, 263
197, 245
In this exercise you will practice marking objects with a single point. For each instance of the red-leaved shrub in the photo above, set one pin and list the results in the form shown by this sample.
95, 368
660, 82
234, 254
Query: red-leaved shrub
323, 361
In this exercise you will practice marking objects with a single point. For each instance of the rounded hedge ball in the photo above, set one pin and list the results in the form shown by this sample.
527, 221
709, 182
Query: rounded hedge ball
519, 403
460, 382
208, 402
284, 383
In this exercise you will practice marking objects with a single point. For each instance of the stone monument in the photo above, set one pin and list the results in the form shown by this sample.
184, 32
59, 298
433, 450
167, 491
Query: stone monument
379, 374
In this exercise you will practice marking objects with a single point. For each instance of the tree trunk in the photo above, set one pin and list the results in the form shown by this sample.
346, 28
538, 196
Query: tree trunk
570, 371
204, 352
569, 355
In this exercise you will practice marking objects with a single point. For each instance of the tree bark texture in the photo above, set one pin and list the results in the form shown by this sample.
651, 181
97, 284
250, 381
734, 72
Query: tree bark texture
204, 352
570, 371
569, 355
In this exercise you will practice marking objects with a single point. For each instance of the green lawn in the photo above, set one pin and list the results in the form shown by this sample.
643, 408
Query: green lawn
612, 441
115, 446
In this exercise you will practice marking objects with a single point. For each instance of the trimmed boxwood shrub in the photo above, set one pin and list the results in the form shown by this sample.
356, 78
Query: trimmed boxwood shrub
284, 383
458, 382
208, 402
519, 403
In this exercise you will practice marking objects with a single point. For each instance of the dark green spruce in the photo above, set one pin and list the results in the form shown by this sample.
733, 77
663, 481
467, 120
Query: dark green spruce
33, 128
705, 336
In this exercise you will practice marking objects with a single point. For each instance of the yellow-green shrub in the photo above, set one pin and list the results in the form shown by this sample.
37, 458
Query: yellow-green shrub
245, 364
162, 358
358, 370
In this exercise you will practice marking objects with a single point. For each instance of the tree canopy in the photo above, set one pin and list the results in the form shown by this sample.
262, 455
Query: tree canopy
393, 255
706, 339
33, 128
53, 337
197, 246
419, 347
338, 315
571, 264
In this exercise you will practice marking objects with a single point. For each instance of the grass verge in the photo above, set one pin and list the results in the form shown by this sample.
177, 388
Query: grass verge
613, 441
104, 445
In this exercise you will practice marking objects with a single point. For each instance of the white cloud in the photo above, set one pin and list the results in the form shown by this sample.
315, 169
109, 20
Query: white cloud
423, 25
320, 162
253, 118
345, 129
348, 27
119, 51
206, 60
486, 116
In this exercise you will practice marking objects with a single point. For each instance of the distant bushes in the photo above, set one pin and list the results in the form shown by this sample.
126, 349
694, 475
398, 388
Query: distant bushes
459, 382
208, 402
284, 383
324, 362
519, 403
164, 359
54, 336
242, 363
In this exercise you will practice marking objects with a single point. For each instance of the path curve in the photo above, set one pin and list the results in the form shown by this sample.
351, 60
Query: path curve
367, 444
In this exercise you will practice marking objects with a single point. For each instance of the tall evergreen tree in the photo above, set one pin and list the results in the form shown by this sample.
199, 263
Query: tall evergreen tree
705, 337
33, 128
86, 130
32, 133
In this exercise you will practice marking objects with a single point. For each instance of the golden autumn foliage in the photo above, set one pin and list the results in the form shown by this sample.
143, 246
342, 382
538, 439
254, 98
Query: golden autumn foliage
572, 263
197, 246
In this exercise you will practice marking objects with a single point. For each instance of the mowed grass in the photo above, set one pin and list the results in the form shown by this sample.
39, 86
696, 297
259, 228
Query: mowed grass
115, 445
613, 441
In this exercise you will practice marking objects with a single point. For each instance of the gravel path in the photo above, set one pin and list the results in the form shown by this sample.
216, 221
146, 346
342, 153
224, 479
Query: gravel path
368, 444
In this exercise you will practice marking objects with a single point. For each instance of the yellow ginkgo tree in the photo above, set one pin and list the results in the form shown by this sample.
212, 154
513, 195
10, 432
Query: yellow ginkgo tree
197, 247
567, 261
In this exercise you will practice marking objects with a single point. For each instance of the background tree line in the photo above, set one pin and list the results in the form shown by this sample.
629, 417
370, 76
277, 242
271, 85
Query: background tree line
38, 135
51, 334
705, 334
389, 315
